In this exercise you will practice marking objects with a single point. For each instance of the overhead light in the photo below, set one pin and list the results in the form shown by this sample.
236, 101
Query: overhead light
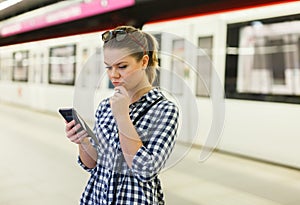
8, 3
257, 25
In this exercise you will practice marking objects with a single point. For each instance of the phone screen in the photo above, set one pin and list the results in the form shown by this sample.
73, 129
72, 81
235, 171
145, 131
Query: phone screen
67, 114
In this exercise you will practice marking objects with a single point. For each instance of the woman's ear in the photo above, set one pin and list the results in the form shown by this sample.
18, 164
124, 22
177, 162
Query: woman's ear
145, 61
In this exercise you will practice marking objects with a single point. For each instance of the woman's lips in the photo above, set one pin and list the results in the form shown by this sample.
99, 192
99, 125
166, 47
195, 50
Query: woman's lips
116, 83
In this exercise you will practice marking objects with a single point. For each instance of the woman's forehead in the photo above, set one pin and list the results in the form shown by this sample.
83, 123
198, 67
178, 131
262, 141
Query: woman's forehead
114, 56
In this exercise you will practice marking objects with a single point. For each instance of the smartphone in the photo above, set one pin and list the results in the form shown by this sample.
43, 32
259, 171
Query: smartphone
70, 114
67, 114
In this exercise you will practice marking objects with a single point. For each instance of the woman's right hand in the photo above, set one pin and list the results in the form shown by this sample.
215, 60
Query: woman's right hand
88, 154
73, 133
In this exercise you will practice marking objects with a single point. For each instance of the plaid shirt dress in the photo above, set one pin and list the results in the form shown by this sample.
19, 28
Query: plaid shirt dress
112, 181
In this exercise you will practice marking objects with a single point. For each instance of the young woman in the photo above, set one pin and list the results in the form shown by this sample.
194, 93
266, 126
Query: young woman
136, 127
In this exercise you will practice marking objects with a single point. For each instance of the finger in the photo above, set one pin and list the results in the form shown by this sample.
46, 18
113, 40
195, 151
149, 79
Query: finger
117, 90
82, 136
121, 90
78, 137
69, 125
73, 131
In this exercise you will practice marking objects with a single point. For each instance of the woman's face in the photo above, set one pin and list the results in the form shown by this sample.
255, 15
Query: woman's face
123, 69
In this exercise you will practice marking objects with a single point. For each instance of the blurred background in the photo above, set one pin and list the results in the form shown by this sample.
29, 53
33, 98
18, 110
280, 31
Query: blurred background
231, 67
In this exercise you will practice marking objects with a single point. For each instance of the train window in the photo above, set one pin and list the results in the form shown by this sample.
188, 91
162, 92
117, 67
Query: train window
204, 57
276, 61
20, 65
62, 64
262, 61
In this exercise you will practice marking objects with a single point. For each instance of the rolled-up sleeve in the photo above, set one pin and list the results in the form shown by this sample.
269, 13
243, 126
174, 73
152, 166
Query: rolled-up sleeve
159, 142
83, 165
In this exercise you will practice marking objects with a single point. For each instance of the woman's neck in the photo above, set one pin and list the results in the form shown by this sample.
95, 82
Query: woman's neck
139, 91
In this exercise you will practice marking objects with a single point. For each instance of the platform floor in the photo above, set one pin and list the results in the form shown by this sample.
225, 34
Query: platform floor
38, 166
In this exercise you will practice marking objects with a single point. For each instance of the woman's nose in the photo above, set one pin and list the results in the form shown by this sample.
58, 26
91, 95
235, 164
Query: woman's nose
115, 73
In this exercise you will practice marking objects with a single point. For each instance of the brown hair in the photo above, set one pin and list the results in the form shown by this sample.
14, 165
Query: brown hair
138, 43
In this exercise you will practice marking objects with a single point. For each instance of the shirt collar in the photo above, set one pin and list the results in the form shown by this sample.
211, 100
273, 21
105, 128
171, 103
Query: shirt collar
150, 96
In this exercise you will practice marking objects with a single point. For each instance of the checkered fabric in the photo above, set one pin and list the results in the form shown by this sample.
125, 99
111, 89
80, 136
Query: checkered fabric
112, 181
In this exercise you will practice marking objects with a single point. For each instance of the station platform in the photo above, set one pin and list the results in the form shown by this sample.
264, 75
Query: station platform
38, 166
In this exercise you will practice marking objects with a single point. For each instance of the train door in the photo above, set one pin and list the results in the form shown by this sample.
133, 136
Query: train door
36, 72
208, 36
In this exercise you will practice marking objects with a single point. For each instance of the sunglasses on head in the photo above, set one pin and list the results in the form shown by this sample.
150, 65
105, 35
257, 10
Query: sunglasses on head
119, 35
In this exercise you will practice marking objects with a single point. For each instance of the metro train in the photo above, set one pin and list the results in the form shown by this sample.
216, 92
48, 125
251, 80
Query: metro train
254, 53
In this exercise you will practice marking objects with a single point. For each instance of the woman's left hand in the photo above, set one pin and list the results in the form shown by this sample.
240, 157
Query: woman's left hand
119, 103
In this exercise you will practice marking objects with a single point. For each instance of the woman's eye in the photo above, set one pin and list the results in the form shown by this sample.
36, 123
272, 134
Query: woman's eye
108, 67
123, 66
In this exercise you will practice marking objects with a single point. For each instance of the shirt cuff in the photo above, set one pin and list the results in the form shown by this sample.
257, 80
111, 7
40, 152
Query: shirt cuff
83, 166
